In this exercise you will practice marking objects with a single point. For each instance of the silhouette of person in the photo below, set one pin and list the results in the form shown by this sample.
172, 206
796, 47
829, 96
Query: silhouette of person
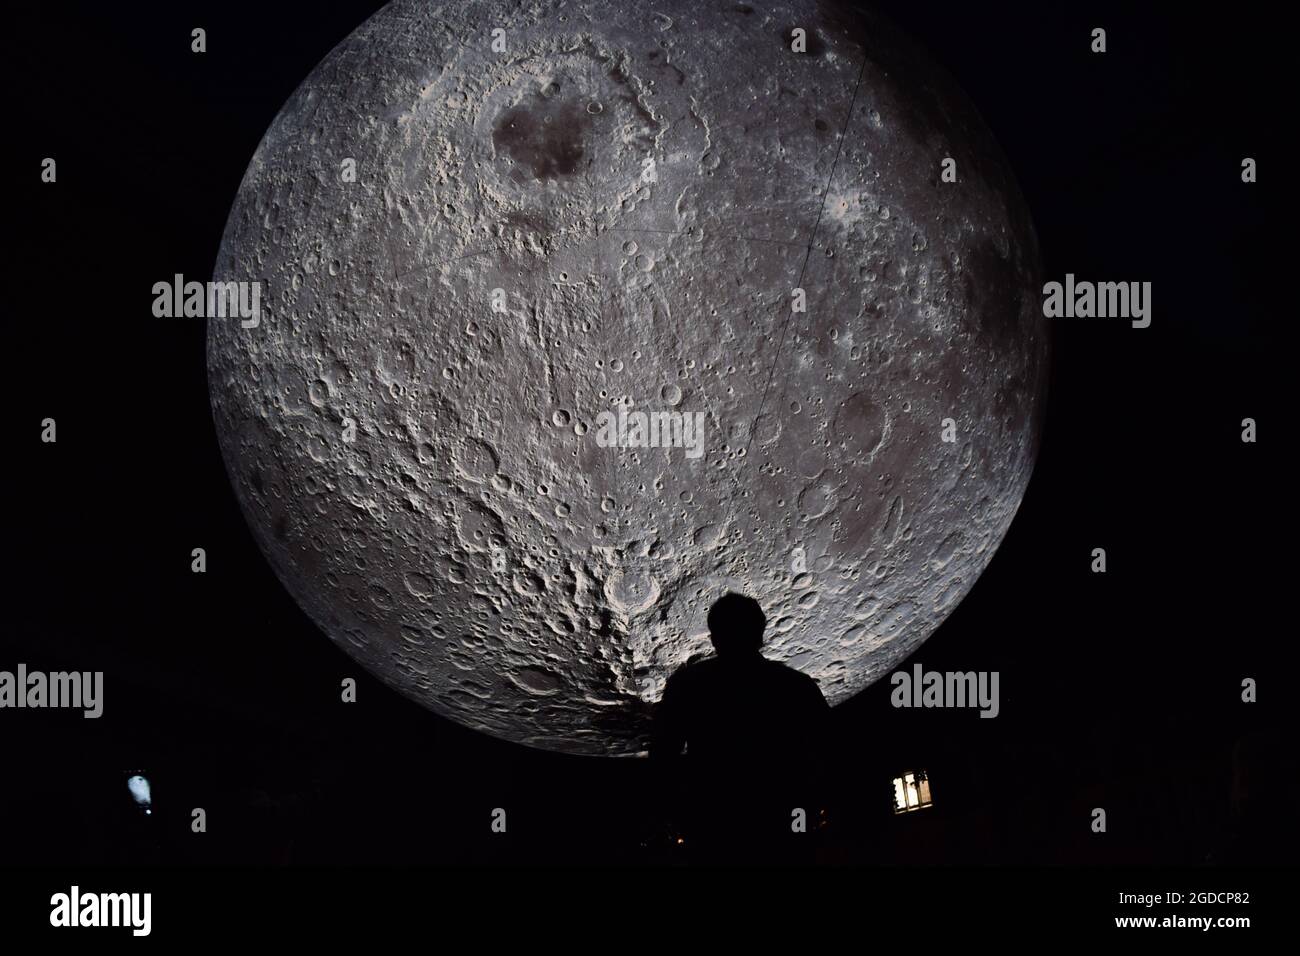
741, 739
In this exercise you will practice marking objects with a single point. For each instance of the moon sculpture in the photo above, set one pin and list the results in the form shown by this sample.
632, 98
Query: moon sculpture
576, 315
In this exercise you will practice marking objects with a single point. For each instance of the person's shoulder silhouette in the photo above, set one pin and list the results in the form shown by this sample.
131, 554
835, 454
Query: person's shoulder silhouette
738, 707
743, 737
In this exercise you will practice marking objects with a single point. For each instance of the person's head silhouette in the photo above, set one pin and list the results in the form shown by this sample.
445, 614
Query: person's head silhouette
736, 625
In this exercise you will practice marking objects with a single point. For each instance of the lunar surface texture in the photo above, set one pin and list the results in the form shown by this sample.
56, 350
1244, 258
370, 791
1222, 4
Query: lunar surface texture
576, 315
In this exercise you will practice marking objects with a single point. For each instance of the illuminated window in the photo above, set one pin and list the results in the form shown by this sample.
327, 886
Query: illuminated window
911, 791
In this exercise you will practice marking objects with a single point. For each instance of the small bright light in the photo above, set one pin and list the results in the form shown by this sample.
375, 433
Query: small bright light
139, 787
911, 791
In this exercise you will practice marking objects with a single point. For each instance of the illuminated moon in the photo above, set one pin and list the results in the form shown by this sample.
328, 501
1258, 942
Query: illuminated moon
468, 254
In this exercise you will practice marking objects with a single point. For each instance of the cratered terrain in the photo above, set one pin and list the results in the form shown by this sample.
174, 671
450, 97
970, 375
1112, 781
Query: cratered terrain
486, 230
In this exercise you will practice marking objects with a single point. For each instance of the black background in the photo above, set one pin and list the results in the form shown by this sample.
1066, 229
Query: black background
1119, 690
